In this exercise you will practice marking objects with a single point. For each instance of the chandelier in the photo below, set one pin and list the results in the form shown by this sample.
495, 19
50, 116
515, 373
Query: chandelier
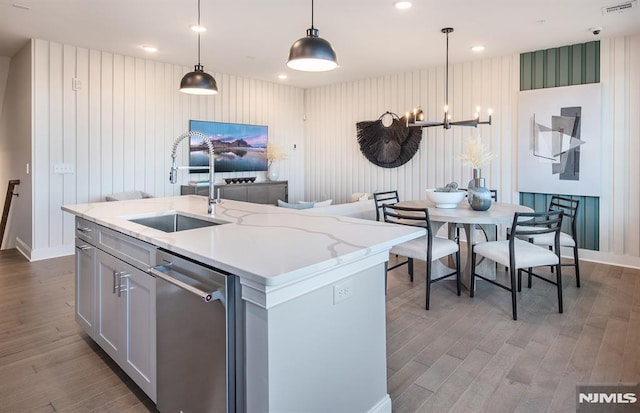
416, 117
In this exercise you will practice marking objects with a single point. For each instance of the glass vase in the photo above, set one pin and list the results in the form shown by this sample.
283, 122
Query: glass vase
273, 173
478, 195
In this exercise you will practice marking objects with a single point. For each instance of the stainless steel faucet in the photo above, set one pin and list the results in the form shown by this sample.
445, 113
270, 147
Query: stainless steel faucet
173, 174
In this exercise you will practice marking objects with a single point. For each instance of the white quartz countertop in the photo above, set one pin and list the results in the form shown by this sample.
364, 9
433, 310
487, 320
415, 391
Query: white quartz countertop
264, 243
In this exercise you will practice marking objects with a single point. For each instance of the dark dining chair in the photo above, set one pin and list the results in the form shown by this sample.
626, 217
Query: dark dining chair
382, 198
391, 198
522, 256
568, 239
427, 248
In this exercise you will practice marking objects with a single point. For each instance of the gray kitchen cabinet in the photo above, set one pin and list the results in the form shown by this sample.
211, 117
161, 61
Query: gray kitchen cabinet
109, 309
256, 192
85, 286
126, 321
115, 299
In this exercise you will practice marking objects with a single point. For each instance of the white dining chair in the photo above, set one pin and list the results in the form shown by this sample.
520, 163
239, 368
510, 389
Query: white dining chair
427, 248
522, 256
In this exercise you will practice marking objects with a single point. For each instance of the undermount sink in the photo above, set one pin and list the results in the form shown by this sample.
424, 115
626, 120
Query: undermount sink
173, 222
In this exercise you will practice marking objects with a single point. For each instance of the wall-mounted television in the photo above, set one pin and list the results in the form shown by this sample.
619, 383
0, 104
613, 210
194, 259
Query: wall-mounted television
237, 147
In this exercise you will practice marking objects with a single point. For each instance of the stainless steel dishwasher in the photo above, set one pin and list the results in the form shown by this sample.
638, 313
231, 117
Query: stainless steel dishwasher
200, 352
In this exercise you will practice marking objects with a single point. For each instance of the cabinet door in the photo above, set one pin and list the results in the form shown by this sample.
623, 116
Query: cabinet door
110, 314
236, 193
139, 300
85, 286
278, 191
260, 194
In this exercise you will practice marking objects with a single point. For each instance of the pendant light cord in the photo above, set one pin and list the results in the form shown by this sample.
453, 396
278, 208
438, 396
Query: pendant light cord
199, 34
311, 14
446, 76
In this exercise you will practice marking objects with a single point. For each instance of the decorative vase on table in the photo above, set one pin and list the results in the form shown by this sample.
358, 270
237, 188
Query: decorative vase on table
273, 172
478, 195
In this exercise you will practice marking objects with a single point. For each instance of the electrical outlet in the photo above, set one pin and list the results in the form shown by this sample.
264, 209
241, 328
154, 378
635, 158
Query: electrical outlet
63, 168
342, 291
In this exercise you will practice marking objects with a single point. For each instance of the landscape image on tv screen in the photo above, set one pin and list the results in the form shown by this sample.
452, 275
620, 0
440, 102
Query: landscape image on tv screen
237, 147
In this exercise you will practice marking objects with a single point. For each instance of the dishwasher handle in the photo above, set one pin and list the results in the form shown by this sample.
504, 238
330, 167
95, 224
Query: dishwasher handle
207, 297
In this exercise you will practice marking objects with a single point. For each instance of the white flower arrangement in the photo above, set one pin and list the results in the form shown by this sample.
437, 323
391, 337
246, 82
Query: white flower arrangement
274, 153
476, 154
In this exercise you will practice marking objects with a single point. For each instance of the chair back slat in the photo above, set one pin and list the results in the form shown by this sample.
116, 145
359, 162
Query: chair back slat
570, 208
535, 223
384, 198
417, 217
567, 205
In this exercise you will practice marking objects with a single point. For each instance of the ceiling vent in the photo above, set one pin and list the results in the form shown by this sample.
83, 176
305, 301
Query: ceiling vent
620, 8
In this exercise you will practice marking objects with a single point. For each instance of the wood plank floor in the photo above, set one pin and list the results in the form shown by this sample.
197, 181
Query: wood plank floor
464, 355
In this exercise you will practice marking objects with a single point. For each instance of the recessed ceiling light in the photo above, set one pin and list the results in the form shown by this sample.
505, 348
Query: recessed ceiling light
198, 28
282, 76
477, 48
402, 4
149, 48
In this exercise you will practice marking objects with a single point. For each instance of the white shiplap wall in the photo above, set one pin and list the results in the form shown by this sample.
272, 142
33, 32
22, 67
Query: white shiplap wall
620, 201
118, 129
335, 167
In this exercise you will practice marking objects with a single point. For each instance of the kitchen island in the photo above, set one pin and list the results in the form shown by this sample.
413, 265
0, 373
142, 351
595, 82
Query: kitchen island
312, 289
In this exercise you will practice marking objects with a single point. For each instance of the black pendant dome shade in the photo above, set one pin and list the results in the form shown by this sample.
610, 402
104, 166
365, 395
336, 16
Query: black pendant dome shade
312, 53
198, 82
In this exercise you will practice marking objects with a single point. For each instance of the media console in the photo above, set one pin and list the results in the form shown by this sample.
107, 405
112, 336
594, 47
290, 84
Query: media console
267, 192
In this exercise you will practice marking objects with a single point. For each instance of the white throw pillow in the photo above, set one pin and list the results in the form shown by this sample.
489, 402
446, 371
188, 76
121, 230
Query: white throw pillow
323, 203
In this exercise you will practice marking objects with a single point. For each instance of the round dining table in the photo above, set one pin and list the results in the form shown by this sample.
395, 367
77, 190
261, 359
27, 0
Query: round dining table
499, 213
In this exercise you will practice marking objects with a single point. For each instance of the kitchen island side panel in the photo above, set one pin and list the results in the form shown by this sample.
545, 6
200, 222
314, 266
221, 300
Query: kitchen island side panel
317, 353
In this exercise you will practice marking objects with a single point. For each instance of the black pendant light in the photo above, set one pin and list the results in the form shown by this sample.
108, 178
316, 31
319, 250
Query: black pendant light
198, 82
312, 53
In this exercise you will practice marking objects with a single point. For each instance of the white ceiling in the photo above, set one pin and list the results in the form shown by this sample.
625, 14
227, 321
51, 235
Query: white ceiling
251, 38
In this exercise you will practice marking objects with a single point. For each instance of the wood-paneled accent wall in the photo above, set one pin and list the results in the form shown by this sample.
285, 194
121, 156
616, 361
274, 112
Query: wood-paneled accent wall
576, 64
117, 130
335, 167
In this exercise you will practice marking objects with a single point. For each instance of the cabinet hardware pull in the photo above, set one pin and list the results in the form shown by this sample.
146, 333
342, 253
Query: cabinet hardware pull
121, 289
84, 247
84, 229
115, 274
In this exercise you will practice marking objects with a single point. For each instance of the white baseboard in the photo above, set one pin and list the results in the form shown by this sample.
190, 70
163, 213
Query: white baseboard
43, 253
383, 406
23, 248
608, 258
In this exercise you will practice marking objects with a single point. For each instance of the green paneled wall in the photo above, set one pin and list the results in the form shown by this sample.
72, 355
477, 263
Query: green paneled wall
587, 217
576, 64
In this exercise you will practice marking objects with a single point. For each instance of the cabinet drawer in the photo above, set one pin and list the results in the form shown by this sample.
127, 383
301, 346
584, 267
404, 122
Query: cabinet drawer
138, 253
86, 230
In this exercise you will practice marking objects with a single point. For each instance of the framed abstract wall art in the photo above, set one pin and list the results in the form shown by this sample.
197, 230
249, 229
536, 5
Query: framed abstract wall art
559, 140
